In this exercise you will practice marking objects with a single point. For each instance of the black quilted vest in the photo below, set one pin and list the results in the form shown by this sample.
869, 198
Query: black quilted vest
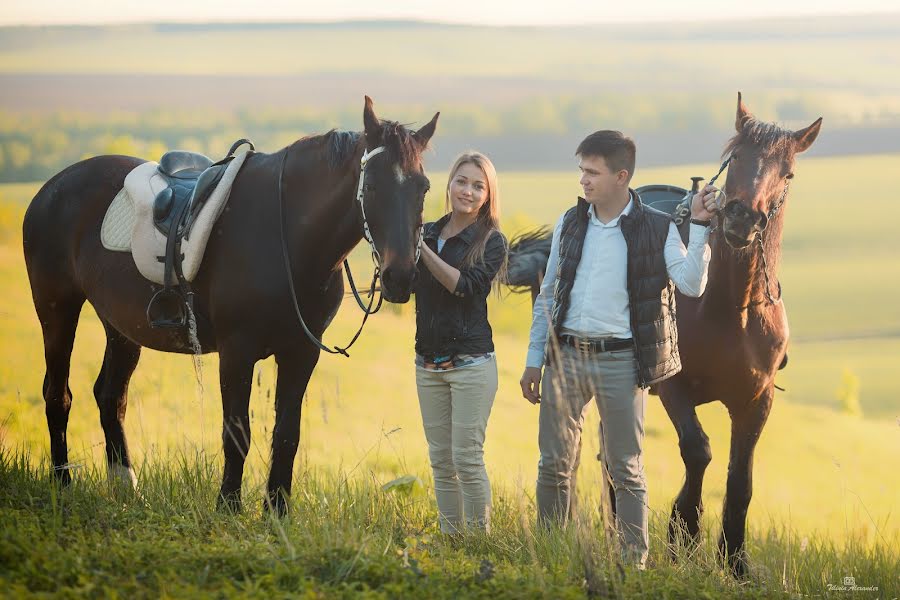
651, 294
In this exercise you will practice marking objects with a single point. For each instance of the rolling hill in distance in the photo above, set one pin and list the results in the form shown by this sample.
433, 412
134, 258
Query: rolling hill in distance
524, 94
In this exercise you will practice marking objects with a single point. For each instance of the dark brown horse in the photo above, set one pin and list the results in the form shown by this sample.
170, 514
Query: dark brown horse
733, 339
243, 303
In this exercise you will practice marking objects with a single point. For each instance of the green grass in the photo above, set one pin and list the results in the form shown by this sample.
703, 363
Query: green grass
346, 537
820, 475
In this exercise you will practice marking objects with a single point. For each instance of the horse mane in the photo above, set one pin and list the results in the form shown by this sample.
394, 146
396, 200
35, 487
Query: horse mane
399, 141
771, 139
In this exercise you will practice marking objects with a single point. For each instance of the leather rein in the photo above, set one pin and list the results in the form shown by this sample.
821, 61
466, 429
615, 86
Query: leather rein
361, 192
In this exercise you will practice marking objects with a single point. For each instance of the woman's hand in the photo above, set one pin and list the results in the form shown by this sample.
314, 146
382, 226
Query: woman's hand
447, 276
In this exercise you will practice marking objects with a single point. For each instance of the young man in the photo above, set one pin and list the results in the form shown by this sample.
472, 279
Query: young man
604, 325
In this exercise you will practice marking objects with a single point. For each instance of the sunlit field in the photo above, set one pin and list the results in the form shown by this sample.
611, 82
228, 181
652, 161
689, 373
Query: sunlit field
825, 475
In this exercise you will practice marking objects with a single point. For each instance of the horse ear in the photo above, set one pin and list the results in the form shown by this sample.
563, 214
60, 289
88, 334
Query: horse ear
805, 137
742, 114
423, 135
371, 123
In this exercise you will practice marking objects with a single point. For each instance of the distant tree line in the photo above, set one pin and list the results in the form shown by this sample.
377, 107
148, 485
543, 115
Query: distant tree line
33, 146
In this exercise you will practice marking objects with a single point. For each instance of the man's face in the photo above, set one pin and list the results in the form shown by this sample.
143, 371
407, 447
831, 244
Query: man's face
597, 181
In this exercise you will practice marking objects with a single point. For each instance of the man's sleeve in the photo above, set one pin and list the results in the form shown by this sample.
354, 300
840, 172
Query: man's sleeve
688, 267
540, 317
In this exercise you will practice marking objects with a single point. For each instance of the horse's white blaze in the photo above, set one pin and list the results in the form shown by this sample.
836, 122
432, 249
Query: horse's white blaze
760, 174
117, 472
399, 174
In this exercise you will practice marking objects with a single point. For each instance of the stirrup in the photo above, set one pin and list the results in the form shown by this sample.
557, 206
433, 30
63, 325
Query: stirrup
167, 310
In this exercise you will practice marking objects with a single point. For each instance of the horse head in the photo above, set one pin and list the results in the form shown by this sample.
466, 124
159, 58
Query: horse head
392, 188
759, 172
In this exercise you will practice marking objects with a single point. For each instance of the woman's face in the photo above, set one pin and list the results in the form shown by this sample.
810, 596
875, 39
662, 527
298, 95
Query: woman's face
468, 190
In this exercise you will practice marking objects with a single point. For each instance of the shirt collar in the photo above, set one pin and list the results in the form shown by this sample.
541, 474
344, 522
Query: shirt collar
433, 230
614, 222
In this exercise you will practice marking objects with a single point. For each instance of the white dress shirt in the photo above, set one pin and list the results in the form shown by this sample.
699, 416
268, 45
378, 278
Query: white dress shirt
598, 304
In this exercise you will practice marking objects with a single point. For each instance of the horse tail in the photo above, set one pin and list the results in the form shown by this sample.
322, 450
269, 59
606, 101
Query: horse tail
528, 254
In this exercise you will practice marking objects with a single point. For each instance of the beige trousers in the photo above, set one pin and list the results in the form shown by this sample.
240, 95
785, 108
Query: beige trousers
455, 407
567, 387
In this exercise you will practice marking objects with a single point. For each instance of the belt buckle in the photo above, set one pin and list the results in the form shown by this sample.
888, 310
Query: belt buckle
584, 346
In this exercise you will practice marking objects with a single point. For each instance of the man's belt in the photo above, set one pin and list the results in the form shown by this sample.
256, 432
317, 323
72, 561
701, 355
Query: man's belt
597, 345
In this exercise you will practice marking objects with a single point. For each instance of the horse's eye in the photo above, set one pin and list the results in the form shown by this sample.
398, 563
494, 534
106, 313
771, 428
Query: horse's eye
789, 176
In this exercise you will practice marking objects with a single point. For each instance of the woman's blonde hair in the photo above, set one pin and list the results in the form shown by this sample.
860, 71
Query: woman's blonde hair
488, 218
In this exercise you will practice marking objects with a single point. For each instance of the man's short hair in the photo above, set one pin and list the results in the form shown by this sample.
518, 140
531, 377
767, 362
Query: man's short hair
616, 148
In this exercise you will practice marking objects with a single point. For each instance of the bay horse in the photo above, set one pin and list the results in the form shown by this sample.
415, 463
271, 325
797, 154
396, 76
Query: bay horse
733, 339
261, 272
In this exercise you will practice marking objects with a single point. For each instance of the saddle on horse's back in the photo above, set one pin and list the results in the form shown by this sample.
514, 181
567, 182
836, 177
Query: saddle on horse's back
673, 201
164, 216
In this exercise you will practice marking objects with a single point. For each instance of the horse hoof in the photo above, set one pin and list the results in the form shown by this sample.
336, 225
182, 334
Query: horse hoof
740, 568
276, 505
62, 476
738, 565
229, 503
684, 537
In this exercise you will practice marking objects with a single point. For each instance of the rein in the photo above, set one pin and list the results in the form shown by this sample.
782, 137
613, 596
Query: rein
376, 257
769, 298
762, 254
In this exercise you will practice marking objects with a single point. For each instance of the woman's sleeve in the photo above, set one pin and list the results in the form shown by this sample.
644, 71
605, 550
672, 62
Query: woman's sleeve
476, 280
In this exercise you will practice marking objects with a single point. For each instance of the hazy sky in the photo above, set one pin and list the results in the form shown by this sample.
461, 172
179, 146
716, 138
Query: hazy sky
493, 12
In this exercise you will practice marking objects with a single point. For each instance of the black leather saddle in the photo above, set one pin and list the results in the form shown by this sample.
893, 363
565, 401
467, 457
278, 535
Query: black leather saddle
191, 179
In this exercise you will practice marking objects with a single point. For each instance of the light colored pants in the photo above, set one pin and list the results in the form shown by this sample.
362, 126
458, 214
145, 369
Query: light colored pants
455, 409
567, 386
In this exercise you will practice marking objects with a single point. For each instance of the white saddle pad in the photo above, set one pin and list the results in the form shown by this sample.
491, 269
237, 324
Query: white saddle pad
128, 223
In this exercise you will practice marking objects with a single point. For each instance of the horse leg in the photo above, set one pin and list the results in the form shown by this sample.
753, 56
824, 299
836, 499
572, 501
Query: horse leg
236, 378
746, 427
111, 392
696, 455
293, 376
59, 320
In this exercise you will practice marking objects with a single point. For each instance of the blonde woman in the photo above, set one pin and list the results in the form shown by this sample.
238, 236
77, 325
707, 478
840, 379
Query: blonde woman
463, 254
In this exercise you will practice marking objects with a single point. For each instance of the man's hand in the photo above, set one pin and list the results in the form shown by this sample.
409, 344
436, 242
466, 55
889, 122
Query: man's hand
703, 204
531, 384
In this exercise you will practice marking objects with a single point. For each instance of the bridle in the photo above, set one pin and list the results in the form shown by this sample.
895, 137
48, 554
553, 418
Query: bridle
362, 191
760, 241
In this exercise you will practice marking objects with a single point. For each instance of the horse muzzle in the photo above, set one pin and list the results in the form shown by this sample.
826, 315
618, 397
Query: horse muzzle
741, 224
738, 242
397, 283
